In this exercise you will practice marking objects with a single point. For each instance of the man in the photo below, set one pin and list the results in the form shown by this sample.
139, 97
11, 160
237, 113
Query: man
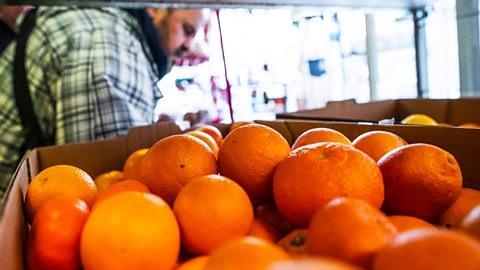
8, 19
91, 73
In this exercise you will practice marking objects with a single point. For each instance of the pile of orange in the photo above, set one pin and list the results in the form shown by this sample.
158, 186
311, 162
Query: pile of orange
250, 201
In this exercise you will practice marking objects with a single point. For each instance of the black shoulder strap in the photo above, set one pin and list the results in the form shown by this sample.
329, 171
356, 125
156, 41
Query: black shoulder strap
22, 94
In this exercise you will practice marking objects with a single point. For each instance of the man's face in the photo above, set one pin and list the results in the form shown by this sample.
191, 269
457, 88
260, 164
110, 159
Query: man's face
177, 28
9, 14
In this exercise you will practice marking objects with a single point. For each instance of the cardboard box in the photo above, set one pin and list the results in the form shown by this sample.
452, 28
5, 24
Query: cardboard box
451, 111
100, 156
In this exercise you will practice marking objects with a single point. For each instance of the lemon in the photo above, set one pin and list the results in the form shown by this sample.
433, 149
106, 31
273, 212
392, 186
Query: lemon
419, 119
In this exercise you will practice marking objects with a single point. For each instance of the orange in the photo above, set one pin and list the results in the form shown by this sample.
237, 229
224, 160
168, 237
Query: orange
312, 175
212, 131
406, 223
131, 230
196, 263
173, 161
421, 180
59, 181
211, 210
263, 229
468, 199
295, 243
269, 213
313, 263
131, 166
245, 253
377, 143
469, 125
429, 249
349, 229
471, 222
234, 125
249, 156
205, 138
104, 180
122, 186
316, 135
54, 238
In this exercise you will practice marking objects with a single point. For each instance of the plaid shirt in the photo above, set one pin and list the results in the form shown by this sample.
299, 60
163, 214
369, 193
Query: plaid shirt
90, 74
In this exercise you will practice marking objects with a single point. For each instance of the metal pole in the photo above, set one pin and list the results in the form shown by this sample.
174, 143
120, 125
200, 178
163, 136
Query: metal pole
419, 16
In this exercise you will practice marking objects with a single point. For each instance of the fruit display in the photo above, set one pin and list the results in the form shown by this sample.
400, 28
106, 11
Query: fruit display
323, 201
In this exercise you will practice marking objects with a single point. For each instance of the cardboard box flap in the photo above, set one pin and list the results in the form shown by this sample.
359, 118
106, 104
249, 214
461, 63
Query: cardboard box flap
438, 109
465, 110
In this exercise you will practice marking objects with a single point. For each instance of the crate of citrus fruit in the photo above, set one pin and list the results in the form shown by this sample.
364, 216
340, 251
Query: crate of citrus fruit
250, 195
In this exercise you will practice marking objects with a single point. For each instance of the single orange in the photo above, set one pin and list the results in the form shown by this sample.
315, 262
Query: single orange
196, 263
350, 230
249, 156
313, 263
263, 229
105, 180
54, 238
471, 222
269, 212
212, 131
377, 143
173, 161
121, 186
312, 175
316, 135
245, 253
421, 180
59, 181
469, 125
211, 210
234, 125
205, 137
468, 199
131, 166
295, 243
406, 223
436, 249
129, 231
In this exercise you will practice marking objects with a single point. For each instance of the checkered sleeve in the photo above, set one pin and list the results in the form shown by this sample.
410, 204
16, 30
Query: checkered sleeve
106, 87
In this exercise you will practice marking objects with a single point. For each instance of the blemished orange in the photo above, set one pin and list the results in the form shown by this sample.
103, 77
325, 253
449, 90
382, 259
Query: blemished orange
350, 230
313, 263
211, 210
205, 137
212, 131
377, 143
196, 263
249, 156
105, 180
471, 222
433, 249
234, 125
316, 135
173, 161
245, 253
312, 175
129, 231
263, 229
406, 223
295, 242
54, 239
269, 212
468, 199
131, 166
421, 180
59, 181
121, 186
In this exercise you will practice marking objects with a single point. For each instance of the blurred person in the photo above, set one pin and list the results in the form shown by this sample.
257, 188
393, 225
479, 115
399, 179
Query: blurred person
8, 24
91, 73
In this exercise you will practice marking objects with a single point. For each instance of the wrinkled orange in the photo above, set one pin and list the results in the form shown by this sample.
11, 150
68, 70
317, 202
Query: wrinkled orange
312, 175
